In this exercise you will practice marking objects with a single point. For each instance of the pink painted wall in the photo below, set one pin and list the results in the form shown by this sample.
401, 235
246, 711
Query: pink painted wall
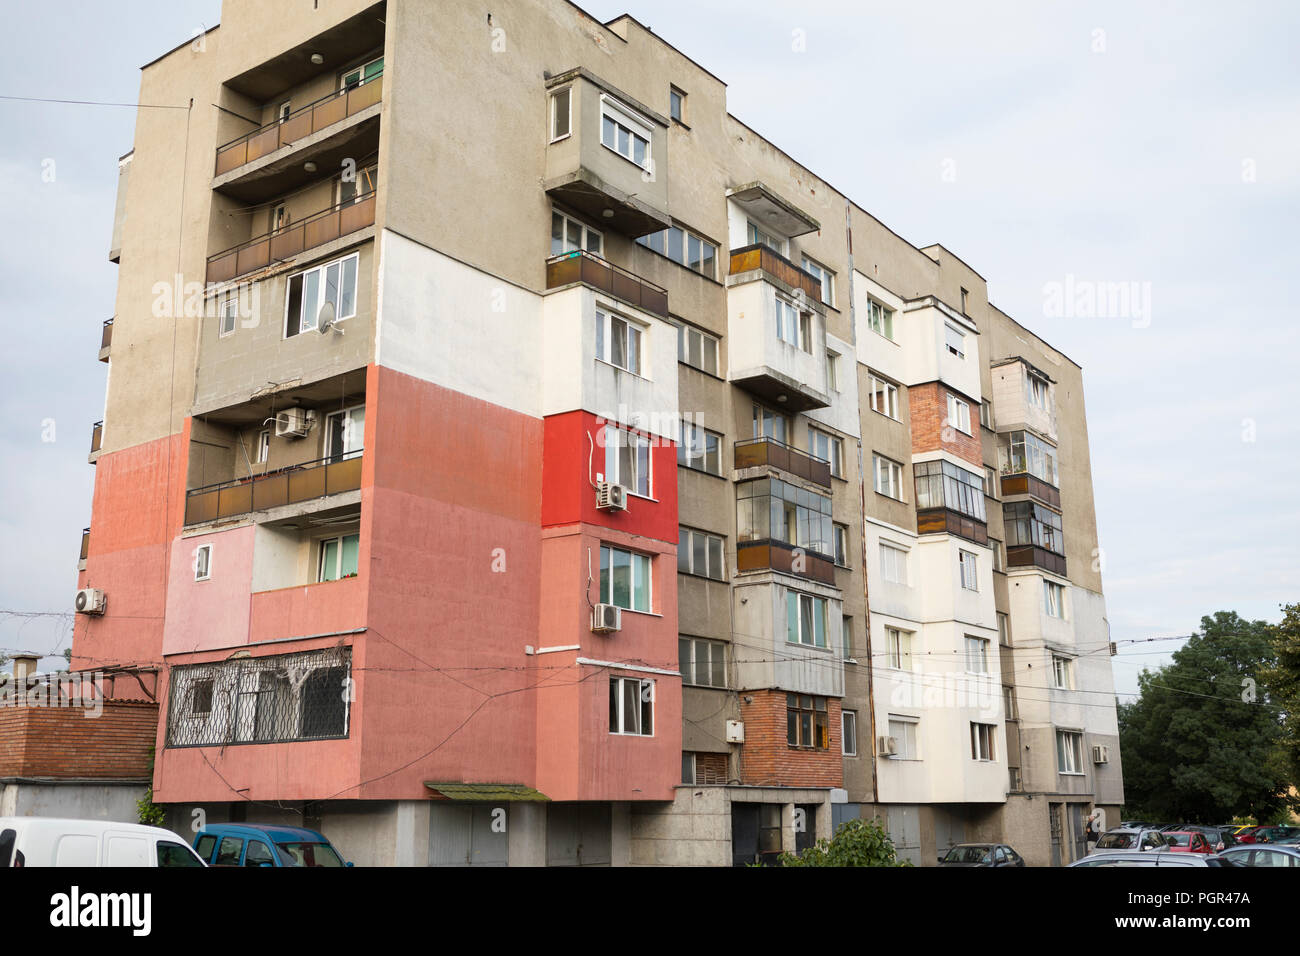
209, 614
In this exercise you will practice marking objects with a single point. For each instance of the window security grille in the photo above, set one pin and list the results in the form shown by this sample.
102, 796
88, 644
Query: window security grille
257, 700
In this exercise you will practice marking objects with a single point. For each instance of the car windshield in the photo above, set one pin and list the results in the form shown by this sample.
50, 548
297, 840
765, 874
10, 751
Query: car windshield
967, 854
308, 854
1117, 841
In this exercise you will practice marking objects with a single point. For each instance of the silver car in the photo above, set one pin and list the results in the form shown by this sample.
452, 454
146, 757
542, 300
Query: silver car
1153, 858
1130, 840
1264, 854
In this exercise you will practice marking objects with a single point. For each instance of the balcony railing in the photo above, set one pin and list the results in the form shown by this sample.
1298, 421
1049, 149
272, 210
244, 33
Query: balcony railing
105, 340
316, 230
759, 256
779, 556
946, 521
85, 543
756, 452
96, 436
285, 486
299, 124
592, 270
1027, 484
1032, 556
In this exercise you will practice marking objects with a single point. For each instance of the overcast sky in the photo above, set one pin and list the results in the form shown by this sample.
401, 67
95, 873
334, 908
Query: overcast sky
1152, 143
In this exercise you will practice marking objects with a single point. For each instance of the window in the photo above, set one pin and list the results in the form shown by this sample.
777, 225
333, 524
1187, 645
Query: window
769, 424
889, 477
986, 413
345, 433
966, 562
203, 562
333, 284
1013, 780
880, 319
849, 733
898, 649
1030, 524
627, 460
1069, 751
893, 563
358, 187
884, 397
228, 310
846, 637
805, 616
1062, 672
263, 445
990, 482
824, 275
841, 535
1036, 392
699, 767
955, 339
996, 547
833, 371
941, 484
697, 349
981, 741
792, 326
903, 730
828, 448
702, 663
257, 854
200, 698
625, 133
1053, 599
631, 706
1026, 453
618, 342
964, 295
338, 557
958, 414
757, 237
685, 248
769, 509
362, 75
561, 113
977, 655
699, 448
284, 111
176, 854
570, 235
624, 579
1010, 707
807, 722
1004, 629
677, 104
700, 553
279, 217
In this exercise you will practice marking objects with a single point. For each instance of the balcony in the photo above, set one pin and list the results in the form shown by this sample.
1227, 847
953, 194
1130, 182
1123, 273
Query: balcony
1027, 484
338, 220
285, 486
944, 521
760, 452
85, 549
105, 340
345, 123
1032, 556
591, 270
779, 556
760, 258
96, 439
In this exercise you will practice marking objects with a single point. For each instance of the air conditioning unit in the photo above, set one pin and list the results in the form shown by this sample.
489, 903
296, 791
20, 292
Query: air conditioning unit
606, 618
611, 497
1101, 754
735, 731
91, 601
294, 422
887, 746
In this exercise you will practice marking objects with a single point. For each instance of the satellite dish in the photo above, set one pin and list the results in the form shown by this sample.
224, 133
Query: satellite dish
325, 319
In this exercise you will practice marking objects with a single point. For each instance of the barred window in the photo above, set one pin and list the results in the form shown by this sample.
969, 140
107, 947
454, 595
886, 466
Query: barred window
276, 699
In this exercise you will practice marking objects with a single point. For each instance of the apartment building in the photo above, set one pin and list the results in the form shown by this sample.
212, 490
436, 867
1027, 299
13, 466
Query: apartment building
510, 457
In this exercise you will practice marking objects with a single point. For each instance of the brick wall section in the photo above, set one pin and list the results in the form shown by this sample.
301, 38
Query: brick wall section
767, 760
929, 410
64, 742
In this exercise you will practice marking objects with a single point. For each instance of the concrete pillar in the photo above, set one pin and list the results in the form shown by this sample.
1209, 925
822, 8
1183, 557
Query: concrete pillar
411, 842
527, 834
620, 836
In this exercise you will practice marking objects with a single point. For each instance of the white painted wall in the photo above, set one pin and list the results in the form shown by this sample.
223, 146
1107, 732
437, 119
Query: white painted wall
753, 347
926, 356
842, 414
874, 350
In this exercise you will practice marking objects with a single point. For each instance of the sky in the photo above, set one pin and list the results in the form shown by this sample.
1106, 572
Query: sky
1155, 145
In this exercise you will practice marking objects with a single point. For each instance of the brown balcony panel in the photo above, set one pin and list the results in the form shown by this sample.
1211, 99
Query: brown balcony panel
287, 243
263, 143
774, 264
366, 95
254, 257
96, 436
232, 156
223, 268
943, 521
200, 506
235, 500
765, 451
262, 492
1024, 484
1031, 556
342, 476
779, 556
316, 230
328, 113
106, 338
85, 544
357, 215
599, 274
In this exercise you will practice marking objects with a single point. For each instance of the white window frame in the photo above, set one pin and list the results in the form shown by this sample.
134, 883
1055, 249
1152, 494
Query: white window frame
977, 654
684, 338
809, 627
1062, 672
690, 678
959, 414
996, 547
968, 567
880, 319
900, 646
621, 698
891, 402
587, 233
263, 446
680, 115
763, 415
908, 742
632, 332
227, 310
793, 326
617, 438
834, 449
638, 560
364, 183
819, 271
338, 556
833, 371
848, 718
691, 534
636, 126
1004, 628
360, 70
893, 559
1069, 752
894, 470
1053, 608
983, 742
283, 111
756, 235
951, 334
314, 314
693, 445
840, 539
661, 243
203, 563
353, 442
1033, 387
567, 93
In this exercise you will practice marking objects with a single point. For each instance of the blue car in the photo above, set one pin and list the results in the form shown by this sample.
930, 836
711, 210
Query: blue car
255, 844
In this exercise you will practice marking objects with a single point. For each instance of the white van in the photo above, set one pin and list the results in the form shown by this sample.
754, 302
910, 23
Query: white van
47, 841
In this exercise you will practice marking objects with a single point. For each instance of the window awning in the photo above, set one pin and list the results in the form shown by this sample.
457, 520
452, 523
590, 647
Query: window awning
479, 792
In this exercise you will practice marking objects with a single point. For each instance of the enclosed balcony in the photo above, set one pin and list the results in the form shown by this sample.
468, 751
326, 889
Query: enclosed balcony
768, 452
950, 500
583, 267
105, 340
781, 526
1027, 466
334, 222
285, 486
1034, 537
96, 440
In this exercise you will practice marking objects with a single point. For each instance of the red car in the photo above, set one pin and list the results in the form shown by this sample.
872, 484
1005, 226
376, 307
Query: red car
1187, 841
1246, 834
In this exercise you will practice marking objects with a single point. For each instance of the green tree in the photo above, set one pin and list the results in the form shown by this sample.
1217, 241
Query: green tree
1283, 683
1200, 744
856, 843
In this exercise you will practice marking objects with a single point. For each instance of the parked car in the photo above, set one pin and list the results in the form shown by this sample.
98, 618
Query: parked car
1134, 825
1120, 840
1187, 841
256, 844
1257, 855
1154, 858
1275, 834
1246, 834
981, 854
52, 841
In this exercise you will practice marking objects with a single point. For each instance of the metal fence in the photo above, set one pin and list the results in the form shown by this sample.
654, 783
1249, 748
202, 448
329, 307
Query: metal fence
261, 700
